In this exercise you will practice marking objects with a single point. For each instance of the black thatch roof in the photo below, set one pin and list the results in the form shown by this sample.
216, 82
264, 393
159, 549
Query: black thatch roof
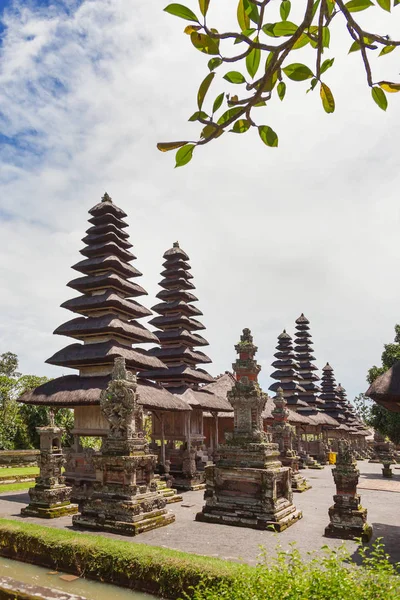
107, 248
110, 236
176, 252
180, 352
164, 308
107, 228
181, 335
73, 390
107, 281
106, 219
81, 327
385, 390
179, 373
90, 266
176, 295
86, 305
177, 320
76, 356
107, 207
173, 283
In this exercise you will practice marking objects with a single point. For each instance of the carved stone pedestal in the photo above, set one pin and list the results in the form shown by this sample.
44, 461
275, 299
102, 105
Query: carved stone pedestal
125, 499
387, 471
50, 498
348, 520
248, 486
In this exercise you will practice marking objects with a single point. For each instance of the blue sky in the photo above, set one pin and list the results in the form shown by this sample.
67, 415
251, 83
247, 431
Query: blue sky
309, 227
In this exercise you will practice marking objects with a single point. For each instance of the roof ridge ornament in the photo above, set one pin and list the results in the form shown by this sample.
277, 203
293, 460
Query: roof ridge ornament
176, 245
106, 198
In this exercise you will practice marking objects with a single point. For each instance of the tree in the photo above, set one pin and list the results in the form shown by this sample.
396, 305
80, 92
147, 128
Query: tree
264, 51
9, 364
378, 417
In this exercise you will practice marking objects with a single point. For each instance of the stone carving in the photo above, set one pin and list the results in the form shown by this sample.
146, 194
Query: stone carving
248, 486
384, 454
125, 499
348, 520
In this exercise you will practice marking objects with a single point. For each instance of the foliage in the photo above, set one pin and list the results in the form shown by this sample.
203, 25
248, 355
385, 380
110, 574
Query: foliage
323, 577
266, 45
18, 422
16, 487
378, 417
92, 442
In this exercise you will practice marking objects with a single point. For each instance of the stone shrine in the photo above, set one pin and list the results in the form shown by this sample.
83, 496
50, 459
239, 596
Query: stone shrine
248, 486
50, 498
348, 520
283, 434
125, 498
384, 454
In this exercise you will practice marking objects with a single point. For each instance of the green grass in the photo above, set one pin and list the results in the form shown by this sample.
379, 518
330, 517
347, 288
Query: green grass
19, 471
16, 487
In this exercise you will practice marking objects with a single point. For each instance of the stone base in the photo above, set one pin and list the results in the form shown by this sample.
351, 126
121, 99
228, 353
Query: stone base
299, 484
189, 484
245, 519
387, 472
349, 533
49, 512
146, 523
167, 492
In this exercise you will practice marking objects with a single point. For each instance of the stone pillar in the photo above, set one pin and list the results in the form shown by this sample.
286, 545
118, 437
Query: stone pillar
283, 434
125, 498
348, 520
50, 498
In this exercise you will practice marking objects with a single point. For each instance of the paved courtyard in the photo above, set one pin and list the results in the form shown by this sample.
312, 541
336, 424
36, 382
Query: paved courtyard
381, 497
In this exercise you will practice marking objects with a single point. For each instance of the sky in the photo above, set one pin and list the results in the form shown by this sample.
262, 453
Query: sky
88, 88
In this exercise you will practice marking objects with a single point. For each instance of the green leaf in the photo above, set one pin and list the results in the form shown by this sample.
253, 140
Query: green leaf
358, 5
241, 126
270, 83
167, 146
253, 60
327, 64
229, 114
281, 29
178, 10
203, 89
396, 2
390, 87
354, 47
302, 41
234, 77
252, 10
210, 130
285, 9
326, 37
385, 4
204, 4
281, 89
330, 5
328, 101
313, 84
213, 63
386, 49
242, 16
190, 28
198, 115
204, 43
268, 136
315, 7
298, 72
217, 102
379, 97
184, 155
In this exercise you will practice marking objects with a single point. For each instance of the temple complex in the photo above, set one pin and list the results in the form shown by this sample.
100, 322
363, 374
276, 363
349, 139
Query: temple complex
248, 486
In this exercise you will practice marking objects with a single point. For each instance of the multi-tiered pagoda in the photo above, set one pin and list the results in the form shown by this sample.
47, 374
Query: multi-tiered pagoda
303, 351
333, 404
286, 375
176, 326
107, 303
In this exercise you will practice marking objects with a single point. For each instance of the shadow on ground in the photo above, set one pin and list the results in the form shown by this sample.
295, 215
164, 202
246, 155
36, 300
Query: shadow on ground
22, 498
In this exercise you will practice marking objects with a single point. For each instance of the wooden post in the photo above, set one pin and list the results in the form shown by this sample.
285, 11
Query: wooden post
162, 440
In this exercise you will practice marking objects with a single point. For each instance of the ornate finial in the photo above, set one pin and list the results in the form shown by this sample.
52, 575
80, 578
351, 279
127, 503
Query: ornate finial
246, 337
175, 245
284, 331
51, 417
106, 198
279, 392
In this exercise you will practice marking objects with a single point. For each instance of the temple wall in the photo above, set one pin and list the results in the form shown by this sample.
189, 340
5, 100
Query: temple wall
89, 418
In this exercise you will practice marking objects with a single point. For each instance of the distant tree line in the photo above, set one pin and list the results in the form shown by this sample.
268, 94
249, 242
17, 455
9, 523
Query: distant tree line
18, 422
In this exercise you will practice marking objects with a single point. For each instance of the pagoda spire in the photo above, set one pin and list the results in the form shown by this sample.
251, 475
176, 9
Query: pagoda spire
107, 304
332, 403
303, 351
286, 374
177, 326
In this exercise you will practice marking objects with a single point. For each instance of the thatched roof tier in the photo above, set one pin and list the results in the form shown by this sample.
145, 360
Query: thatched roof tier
182, 336
202, 398
171, 283
385, 390
72, 390
107, 248
176, 306
180, 353
182, 373
107, 228
107, 207
279, 374
106, 219
287, 386
81, 329
178, 269
110, 236
107, 281
286, 375
321, 418
221, 384
90, 266
96, 354
177, 320
176, 294
176, 252
89, 305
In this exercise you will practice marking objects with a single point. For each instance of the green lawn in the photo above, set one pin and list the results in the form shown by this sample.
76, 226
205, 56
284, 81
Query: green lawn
16, 487
19, 471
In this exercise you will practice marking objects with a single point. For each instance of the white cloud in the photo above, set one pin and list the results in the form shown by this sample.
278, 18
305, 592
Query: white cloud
311, 227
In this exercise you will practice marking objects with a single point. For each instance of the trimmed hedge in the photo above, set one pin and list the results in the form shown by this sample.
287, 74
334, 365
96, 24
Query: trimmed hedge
163, 572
